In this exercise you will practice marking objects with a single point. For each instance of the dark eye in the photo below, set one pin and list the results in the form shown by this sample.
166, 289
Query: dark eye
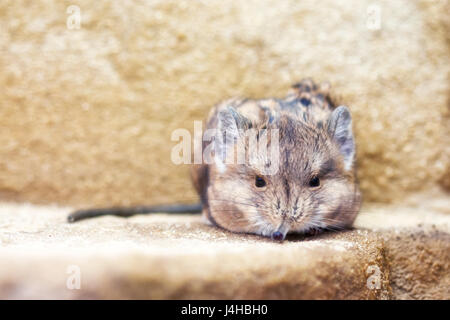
314, 182
260, 182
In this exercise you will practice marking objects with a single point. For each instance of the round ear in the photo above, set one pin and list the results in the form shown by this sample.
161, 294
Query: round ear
230, 125
340, 129
230, 121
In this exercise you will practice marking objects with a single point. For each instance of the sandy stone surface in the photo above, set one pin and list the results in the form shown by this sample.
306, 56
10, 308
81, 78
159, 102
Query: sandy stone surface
86, 115
180, 257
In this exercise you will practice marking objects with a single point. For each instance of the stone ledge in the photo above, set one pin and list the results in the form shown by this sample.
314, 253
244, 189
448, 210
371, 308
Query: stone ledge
178, 257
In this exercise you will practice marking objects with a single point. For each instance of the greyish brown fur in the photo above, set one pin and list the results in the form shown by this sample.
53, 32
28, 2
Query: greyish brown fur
316, 142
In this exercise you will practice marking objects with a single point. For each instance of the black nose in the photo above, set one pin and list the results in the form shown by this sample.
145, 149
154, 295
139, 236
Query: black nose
277, 236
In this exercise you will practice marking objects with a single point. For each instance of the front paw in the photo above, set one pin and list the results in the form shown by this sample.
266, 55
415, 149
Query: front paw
314, 232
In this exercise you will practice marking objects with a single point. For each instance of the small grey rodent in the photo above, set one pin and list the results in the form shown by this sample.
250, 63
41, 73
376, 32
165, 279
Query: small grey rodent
315, 187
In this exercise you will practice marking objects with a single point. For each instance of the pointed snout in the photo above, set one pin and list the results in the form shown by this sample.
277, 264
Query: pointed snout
278, 236
280, 232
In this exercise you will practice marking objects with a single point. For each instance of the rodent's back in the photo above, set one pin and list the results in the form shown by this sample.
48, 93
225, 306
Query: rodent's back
306, 101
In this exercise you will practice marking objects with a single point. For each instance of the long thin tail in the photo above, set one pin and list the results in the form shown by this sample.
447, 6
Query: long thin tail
131, 211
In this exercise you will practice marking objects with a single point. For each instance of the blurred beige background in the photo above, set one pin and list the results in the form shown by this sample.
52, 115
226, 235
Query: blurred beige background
86, 114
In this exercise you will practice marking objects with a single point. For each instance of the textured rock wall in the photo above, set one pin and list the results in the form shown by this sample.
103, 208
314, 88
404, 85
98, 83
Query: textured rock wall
86, 114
